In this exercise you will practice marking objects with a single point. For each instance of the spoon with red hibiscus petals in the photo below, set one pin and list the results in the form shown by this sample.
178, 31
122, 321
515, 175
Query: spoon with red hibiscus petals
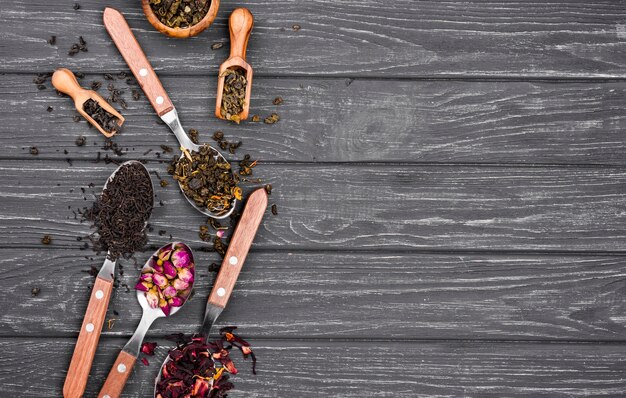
164, 286
229, 272
87, 343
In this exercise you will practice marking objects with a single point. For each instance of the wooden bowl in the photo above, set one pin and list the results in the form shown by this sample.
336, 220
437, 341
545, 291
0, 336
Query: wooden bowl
181, 33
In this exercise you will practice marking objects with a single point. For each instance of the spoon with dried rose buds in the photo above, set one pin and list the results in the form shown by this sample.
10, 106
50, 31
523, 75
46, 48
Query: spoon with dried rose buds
164, 286
205, 377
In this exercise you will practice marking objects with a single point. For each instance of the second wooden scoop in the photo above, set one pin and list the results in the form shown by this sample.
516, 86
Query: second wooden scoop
65, 81
240, 22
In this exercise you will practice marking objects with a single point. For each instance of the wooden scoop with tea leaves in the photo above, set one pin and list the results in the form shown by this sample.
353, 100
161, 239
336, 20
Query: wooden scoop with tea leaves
235, 79
127, 44
88, 103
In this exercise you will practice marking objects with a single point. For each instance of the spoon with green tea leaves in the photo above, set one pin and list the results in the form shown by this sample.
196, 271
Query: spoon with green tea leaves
204, 176
240, 243
163, 288
88, 103
120, 215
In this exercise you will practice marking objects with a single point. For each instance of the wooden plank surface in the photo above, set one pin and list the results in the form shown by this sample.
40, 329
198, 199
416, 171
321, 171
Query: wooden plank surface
354, 369
338, 120
355, 206
350, 38
343, 295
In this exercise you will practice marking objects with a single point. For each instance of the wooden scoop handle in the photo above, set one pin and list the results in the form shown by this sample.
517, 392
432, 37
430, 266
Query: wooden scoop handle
134, 56
238, 248
65, 81
240, 21
78, 372
118, 375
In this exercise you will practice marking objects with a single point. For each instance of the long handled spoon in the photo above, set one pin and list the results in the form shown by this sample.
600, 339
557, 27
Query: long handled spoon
134, 56
240, 26
85, 349
65, 81
153, 308
231, 266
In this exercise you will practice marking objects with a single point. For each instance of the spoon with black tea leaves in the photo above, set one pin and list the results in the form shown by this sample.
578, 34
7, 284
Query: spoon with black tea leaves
131, 51
164, 287
65, 81
85, 349
232, 264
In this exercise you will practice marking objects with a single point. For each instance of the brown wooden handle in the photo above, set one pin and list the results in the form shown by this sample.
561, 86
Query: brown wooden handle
134, 56
78, 372
240, 22
65, 81
238, 248
116, 380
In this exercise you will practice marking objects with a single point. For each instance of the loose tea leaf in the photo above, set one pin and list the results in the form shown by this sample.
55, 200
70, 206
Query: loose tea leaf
217, 46
273, 118
106, 120
274, 210
278, 101
234, 94
120, 213
34, 150
180, 13
52, 40
35, 291
46, 240
205, 179
81, 140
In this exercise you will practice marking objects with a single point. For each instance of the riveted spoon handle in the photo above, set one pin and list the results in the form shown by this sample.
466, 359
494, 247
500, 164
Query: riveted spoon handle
134, 56
238, 248
85, 349
118, 375
240, 25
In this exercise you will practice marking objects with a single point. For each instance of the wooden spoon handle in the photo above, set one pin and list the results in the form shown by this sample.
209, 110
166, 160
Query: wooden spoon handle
238, 248
240, 21
65, 81
78, 372
118, 375
134, 56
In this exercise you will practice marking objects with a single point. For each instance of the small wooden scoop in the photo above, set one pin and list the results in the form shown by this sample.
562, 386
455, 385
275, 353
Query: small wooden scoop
65, 81
240, 21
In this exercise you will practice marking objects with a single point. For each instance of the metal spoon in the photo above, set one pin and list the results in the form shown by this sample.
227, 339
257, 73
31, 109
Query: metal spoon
85, 349
134, 56
116, 380
231, 266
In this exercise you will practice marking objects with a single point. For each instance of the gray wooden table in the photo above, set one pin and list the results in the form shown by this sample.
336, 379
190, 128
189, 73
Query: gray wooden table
449, 177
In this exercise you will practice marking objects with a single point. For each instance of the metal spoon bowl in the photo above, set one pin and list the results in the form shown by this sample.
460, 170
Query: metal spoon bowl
172, 120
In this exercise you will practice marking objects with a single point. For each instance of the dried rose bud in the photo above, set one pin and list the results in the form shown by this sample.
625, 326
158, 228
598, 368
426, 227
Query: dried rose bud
176, 301
153, 297
143, 286
181, 258
168, 269
170, 292
185, 275
146, 277
159, 280
180, 285
165, 306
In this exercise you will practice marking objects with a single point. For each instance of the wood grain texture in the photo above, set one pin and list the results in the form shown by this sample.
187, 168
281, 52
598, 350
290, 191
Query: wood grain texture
344, 295
560, 209
88, 337
339, 120
118, 376
136, 60
359, 369
238, 248
351, 38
